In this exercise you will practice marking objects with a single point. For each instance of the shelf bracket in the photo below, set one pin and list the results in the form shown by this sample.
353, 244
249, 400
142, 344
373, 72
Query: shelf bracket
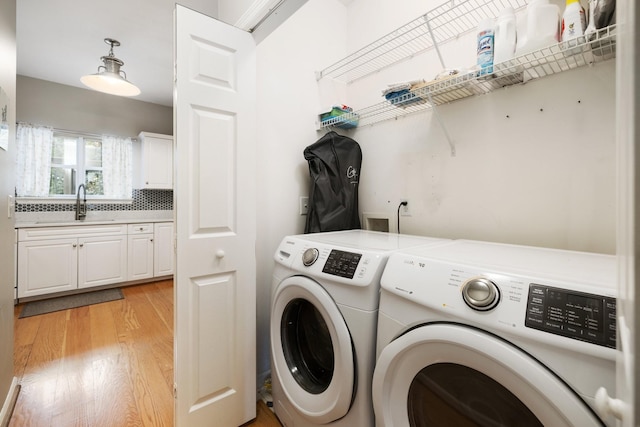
444, 128
435, 43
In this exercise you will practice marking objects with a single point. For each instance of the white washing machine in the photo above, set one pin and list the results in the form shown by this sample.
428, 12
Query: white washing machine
324, 310
486, 334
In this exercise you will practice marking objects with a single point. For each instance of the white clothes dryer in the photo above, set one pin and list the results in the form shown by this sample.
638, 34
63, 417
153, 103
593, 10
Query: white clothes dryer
487, 334
324, 311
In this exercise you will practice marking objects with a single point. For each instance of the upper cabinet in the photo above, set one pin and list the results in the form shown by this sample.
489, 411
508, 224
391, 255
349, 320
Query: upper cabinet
153, 167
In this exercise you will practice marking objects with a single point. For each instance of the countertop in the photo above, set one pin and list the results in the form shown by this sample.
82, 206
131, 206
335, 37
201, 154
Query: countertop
75, 223
34, 220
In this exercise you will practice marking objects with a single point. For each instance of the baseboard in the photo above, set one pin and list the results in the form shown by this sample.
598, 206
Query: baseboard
9, 403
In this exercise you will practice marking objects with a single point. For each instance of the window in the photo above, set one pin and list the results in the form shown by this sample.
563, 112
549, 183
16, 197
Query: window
76, 160
53, 163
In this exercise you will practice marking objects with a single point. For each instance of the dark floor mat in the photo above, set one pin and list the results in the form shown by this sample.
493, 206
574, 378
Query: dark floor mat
72, 301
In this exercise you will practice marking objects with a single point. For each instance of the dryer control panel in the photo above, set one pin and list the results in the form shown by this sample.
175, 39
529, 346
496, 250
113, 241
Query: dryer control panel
342, 263
577, 315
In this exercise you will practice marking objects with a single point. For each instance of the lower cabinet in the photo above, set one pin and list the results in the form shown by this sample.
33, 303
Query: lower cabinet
150, 250
163, 258
102, 261
61, 259
140, 248
47, 266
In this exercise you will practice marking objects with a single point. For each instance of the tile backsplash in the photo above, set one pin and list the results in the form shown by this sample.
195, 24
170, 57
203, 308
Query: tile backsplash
143, 200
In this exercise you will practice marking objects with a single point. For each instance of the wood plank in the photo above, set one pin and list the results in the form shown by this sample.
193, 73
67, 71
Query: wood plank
114, 399
108, 364
36, 401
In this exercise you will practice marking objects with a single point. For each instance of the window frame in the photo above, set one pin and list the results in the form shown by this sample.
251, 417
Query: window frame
80, 169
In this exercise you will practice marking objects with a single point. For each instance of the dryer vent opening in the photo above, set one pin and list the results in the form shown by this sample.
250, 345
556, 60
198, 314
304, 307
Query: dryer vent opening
376, 222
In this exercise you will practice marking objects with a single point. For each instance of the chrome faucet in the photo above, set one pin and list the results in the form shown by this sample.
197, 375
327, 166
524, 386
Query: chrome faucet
81, 206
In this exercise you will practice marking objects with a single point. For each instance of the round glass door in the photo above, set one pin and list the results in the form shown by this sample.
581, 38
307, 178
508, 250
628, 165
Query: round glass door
311, 350
307, 346
446, 374
448, 394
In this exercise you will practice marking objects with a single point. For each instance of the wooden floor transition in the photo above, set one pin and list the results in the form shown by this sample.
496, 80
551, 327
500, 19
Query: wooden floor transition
108, 364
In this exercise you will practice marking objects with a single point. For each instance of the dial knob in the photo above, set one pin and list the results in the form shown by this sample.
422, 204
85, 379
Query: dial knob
310, 256
480, 294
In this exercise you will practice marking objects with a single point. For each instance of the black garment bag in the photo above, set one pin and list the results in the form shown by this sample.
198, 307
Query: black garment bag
334, 166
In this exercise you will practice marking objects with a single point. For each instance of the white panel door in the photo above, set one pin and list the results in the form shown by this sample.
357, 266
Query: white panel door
214, 110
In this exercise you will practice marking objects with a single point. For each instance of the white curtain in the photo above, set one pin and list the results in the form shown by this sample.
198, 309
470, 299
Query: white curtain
116, 166
33, 160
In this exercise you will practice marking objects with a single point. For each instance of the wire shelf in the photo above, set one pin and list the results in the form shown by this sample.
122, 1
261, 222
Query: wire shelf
438, 26
554, 59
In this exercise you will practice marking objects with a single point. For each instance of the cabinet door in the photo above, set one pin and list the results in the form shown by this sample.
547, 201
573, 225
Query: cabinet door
163, 249
157, 162
102, 260
140, 256
47, 266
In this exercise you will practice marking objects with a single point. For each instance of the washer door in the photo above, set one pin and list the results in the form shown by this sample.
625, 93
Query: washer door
454, 375
311, 350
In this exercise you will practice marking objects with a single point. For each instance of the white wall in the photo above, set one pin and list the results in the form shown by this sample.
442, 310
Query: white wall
287, 104
544, 176
66, 107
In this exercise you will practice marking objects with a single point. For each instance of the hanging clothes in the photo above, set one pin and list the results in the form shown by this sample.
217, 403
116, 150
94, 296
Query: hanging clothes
334, 167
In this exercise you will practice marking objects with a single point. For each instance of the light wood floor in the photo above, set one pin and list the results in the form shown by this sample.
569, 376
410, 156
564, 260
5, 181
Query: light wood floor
108, 364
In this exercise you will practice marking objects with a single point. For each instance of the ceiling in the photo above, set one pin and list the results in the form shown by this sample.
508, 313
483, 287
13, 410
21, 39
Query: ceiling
62, 40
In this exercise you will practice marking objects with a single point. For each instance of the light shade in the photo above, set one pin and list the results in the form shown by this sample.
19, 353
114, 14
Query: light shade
111, 79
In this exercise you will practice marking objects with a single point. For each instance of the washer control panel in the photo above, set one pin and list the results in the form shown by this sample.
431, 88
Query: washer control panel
577, 315
342, 263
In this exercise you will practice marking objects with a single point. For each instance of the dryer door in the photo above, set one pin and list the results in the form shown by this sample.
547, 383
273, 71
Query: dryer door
311, 350
445, 374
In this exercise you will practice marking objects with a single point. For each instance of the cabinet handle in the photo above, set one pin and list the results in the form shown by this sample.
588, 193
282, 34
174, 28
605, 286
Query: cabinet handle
141, 228
74, 245
151, 240
220, 254
81, 244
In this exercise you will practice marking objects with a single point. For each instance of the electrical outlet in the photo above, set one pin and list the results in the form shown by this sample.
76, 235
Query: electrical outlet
304, 205
404, 210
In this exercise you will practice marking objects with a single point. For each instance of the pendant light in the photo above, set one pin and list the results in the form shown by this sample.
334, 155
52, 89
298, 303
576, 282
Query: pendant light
111, 79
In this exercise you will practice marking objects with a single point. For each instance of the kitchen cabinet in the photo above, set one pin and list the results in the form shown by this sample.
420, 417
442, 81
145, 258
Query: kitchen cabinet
101, 260
163, 253
140, 251
153, 156
57, 259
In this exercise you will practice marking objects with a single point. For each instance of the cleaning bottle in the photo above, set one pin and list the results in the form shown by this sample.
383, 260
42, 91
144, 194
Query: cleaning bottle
573, 24
485, 47
542, 27
505, 36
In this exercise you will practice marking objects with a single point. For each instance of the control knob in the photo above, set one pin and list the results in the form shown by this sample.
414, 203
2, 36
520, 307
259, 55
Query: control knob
310, 256
480, 294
